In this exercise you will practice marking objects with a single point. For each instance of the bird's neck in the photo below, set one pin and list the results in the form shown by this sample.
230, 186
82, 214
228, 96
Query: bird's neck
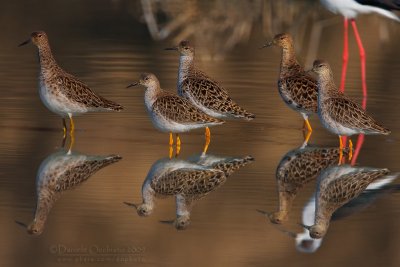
148, 195
45, 202
285, 202
289, 62
186, 64
48, 65
326, 87
151, 94
323, 220
182, 207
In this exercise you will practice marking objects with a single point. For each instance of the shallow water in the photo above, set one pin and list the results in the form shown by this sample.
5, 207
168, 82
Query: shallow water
108, 50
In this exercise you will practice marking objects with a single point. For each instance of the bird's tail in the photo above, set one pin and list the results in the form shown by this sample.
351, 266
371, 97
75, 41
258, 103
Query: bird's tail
110, 105
385, 13
240, 112
230, 166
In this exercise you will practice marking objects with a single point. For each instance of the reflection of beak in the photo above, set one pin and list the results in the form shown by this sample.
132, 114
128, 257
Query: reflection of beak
266, 213
175, 48
267, 44
24, 43
170, 222
131, 85
131, 205
305, 226
21, 224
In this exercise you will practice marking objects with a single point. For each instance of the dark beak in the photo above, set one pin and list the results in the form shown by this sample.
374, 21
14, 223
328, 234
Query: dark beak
131, 85
24, 43
305, 226
21, 224
172, 48
267, 44
266, 213
130, 204
170, 222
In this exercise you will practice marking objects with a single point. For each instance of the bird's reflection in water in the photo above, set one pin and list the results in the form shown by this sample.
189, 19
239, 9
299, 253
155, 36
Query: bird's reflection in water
61, 171
297, 168
344, 184
187, 180
304, 243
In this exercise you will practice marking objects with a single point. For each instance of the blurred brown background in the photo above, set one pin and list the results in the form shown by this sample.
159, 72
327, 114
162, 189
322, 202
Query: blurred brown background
108, 44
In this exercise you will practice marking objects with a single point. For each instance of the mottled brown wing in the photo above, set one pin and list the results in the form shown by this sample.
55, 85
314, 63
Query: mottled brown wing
188, 182
349, 186
302, 90
181, 110
81, 172
81, 93
351, 115
301, 166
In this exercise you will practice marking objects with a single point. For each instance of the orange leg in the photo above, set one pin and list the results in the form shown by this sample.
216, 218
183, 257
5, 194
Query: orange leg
178, 145
208, 139
350, 149
64, 134
171, 142
309, 131
340, 150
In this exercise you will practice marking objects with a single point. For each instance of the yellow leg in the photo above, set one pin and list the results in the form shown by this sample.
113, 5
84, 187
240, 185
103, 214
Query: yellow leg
64, 133
340, 150
71, 144
171, 142
72, 125
178, 145
208, 138
71, 133
64, 128
350, 149
309, 131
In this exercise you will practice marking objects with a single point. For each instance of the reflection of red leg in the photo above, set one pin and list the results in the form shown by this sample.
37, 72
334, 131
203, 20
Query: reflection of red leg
362, 58
359, 144
345, 54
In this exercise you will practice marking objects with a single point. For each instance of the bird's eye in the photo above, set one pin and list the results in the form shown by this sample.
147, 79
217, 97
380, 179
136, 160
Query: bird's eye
146, 79
320, 65
39, 35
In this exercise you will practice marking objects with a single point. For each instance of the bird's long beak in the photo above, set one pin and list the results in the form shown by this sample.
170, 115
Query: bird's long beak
21, 224
267, 44
24, 43
131, 85
131, 205
305, 226
175, 48
170, 222
266, 213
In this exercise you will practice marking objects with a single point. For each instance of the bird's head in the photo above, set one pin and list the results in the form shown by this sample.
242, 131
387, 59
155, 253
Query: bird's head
38, 38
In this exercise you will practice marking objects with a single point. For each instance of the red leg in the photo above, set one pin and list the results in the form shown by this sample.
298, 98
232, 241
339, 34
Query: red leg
359, 144
362, 58
345, 54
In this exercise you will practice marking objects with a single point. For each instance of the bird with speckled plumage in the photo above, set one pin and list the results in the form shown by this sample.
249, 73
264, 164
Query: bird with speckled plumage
339, 114
60, 91
172, 113
296, 87
337, 186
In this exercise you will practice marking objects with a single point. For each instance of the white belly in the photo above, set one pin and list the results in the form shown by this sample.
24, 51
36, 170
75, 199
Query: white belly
333, 126
164, 125
58, 102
